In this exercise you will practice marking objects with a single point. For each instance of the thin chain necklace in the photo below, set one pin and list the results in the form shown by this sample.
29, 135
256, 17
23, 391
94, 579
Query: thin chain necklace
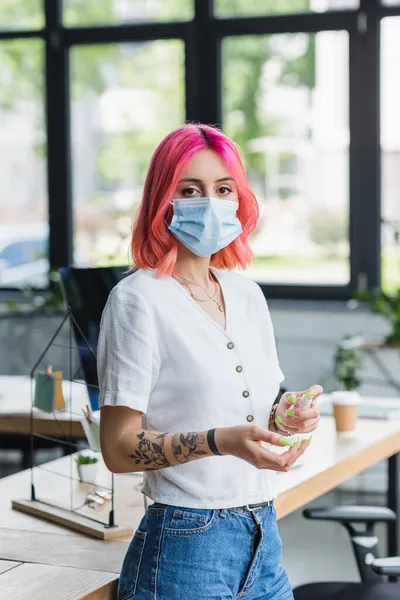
182, 281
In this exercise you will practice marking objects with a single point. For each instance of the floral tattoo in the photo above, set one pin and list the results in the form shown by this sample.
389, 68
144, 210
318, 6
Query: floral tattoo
186, 444
150, 452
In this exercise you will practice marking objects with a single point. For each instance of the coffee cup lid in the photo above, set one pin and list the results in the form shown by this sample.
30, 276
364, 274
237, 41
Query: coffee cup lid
346, 398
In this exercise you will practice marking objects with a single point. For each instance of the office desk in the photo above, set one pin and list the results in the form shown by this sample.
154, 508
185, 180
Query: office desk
328, 462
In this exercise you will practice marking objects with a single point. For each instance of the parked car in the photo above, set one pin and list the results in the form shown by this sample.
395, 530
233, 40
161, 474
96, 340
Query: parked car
24, 255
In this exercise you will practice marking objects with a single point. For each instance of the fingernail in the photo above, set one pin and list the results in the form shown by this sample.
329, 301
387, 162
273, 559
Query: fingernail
285, 442
310, 392
298, 443
309, 440
292, 399
279, 420
289, 412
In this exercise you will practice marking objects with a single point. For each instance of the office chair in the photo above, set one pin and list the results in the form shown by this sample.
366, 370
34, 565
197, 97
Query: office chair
365, 546
86, 291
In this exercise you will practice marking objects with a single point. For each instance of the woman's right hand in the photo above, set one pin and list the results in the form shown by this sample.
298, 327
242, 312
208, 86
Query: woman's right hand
245, 442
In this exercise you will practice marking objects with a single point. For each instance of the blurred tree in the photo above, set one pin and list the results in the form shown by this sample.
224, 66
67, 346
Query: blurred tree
21, 75
154, 72
244, 62
235, 8
21, 15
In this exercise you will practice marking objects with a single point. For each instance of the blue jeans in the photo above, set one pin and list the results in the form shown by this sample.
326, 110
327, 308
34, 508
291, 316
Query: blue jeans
190, 553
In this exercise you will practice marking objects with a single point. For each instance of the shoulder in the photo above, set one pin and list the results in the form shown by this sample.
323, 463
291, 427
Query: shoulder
138, 286
128, 304
242, 285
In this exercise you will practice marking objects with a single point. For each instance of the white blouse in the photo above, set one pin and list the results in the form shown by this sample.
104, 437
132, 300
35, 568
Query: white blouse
160, 353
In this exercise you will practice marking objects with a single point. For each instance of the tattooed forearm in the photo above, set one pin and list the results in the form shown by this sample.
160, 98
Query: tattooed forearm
186, 445
150, 450
155, 450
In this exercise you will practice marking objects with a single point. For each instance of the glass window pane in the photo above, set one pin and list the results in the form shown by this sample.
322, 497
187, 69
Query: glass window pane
391, 2
286, 105
15, 14
249, 8
23, 208
116, 12
126, 98
390, 152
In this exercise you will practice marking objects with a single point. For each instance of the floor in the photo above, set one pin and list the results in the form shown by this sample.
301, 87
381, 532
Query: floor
312, 551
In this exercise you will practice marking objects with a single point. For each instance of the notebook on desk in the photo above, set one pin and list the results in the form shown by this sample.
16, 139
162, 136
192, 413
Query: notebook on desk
367, 411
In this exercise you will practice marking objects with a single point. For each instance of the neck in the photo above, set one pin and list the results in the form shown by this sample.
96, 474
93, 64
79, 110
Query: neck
194, 268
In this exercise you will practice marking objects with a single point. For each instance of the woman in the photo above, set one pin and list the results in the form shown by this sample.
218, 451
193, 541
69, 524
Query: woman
187, 345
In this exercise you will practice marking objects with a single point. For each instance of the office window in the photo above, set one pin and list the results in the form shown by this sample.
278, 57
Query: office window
15, 14
251, 8
390, 151
125, 99
286, 104
23, 206
117, 12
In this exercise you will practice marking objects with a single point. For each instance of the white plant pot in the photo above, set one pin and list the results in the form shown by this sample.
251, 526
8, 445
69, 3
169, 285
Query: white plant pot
87, 473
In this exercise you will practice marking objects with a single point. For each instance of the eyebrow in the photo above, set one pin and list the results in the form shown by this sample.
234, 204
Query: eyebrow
187, 179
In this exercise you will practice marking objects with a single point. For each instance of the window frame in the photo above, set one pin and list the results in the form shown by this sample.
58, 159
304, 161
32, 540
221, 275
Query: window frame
202, 38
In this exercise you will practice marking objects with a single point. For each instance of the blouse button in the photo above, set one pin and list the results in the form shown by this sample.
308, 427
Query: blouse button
230, 345
250, 418
239, 369
245, 394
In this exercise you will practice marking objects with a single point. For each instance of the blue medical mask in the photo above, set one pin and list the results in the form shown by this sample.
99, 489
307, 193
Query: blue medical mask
205, 225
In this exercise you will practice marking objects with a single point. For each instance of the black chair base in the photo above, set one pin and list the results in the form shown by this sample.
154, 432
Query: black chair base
348, 591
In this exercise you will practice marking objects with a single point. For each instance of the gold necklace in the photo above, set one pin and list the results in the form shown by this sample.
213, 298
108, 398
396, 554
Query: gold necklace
179, 277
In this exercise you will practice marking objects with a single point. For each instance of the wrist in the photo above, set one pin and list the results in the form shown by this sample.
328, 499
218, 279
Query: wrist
222, 437
276, 420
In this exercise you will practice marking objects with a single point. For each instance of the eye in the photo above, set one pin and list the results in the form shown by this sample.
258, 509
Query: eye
224, 190
190, 191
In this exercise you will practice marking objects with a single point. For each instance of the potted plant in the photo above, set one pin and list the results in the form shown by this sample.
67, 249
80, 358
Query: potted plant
348, 363
387, 305
47, 302
87, 464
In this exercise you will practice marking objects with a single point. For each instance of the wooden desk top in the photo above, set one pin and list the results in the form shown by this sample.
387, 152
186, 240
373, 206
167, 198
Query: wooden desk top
15, 407
46, 582
330, 460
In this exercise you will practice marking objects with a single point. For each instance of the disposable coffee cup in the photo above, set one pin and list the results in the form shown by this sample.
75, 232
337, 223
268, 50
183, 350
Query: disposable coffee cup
345, 410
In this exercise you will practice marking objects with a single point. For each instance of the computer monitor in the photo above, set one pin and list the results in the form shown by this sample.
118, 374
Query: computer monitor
86, 291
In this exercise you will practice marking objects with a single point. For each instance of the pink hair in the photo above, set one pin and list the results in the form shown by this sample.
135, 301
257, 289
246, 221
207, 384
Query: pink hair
153, 246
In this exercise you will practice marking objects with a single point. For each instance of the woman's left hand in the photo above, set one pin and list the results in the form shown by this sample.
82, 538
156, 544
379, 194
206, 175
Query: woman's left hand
290, 417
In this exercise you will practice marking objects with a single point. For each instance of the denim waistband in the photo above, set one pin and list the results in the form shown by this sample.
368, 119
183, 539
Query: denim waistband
248, 508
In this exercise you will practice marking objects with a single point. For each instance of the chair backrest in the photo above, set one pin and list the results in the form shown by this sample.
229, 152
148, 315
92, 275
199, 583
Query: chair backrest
86, 291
